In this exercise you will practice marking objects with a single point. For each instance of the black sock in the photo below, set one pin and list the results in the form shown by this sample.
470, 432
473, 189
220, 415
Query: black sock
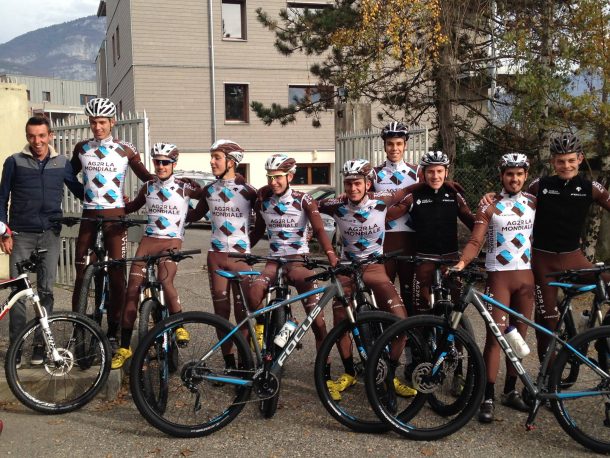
509, 384
348, 364
112, 329
229, 361
489, 391
327, 371
126, 337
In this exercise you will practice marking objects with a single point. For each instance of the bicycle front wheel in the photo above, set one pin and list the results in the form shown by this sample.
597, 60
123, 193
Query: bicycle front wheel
64, 385
583, 406
185, 402
353, 409
436, 351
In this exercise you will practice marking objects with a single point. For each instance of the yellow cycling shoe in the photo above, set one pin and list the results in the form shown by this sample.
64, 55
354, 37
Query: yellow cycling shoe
119, 358
182, 336
402, 389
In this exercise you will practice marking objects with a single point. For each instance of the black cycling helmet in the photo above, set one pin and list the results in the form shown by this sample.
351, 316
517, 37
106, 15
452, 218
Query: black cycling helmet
565, 144
395, 129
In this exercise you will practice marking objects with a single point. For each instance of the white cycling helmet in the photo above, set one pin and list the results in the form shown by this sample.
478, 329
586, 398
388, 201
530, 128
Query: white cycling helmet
100, 107
165, 151
395, 129
510, 160
231, 149
434, 158
357, 168
281, 162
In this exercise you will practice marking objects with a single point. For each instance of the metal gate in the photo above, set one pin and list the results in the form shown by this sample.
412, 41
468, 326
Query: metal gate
131, 128
369, 145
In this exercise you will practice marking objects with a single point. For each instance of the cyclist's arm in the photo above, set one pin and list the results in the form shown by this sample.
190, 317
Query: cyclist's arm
464, 213
75, 162
135, 162
5, 187
401, 208
201, 209
137, 203
601, 195
533, 187
313, 214
259, 225
72, 183
477, 238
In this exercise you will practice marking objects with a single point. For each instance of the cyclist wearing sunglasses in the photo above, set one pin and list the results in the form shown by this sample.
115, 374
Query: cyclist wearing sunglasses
104, 161
285, 213
395, 174
167, 202
229, 201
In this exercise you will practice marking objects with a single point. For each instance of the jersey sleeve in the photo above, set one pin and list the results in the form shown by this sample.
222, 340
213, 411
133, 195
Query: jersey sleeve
533, 187
313, 215
464, 213
477, 238
77, 165
601, 195
401, 208
135, 162
202, 206
259, 224
139, 201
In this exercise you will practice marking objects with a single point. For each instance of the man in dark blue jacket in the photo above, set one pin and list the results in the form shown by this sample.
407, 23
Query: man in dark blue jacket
33, 179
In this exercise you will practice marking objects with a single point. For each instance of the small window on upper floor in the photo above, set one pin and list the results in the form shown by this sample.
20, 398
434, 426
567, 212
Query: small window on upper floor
27, 93
296, 9
85, 98
113, 50
236, 102
234, 19
46, 96
309, 93
118, 43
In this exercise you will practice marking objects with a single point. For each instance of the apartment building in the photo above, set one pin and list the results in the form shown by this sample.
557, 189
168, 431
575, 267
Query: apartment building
195, 66
58, 99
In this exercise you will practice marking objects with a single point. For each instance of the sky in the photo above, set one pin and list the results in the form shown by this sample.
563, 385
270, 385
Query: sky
20, 16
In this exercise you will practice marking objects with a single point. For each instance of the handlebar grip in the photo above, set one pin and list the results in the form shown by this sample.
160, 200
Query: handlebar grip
189, 252
239, 255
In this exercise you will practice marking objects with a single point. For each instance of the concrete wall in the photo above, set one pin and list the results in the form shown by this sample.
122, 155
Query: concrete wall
13, 116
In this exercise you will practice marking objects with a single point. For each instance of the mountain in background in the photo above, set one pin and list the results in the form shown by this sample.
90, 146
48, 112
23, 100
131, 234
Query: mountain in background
65, 51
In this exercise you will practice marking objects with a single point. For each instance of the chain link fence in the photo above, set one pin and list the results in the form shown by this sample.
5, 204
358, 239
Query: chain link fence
476, 181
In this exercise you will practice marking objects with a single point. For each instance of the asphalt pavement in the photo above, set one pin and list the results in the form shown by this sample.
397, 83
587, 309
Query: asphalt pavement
301, 426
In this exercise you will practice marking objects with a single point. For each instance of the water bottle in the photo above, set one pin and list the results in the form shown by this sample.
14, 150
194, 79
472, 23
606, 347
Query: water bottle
284, 335
583, 321
516, 342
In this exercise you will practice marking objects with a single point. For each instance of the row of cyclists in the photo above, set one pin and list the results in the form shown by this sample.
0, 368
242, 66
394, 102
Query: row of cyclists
395, 206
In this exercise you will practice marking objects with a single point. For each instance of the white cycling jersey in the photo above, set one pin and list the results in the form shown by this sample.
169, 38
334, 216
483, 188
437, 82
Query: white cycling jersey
391, 176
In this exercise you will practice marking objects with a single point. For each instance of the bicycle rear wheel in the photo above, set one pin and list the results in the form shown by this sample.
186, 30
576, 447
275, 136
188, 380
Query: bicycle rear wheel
185, 403
428, 337
268, 407
585, 418
66, 386
353, 409
92, 304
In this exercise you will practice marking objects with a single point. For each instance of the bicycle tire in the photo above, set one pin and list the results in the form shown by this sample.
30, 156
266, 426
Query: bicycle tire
268, 407
187, 388
353, 409
585, 419
567, 331
447, 400
411, 417
51, 389
93, 292
152, 308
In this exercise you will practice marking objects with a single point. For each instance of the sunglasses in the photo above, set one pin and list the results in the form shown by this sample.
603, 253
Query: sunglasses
164, 162
275, 176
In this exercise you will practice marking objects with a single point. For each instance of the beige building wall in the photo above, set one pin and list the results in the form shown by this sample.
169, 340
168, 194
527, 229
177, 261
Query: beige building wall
13, 116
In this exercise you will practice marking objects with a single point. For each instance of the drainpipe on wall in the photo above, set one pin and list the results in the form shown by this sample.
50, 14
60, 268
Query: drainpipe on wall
212, 69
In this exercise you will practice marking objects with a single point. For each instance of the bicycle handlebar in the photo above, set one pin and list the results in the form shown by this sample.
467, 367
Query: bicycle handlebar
596, 269
176, 256
30, 264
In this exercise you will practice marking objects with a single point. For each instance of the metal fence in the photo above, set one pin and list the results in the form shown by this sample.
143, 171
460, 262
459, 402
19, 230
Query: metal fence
369, 145
132, 128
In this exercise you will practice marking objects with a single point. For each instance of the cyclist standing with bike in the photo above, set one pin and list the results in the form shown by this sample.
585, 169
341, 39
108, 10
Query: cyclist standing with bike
507, 225
33, 181
167, 202
230, 201
394, 174
104, 161
360, 216
285, 213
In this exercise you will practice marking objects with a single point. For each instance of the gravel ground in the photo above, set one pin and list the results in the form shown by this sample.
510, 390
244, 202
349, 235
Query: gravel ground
301, 426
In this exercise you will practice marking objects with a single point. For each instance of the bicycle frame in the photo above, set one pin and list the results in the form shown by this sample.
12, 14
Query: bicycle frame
478, 299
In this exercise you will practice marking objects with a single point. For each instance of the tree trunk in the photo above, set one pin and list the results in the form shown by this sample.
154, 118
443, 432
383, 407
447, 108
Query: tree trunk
445, 83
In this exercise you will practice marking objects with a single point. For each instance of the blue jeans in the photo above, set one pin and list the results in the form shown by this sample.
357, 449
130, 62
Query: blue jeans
23, 245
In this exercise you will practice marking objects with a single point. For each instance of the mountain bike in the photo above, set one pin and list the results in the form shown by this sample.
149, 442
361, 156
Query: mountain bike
582, 408
204, 395
63, 383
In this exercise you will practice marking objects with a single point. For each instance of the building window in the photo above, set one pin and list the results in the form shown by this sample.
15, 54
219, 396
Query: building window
113, 51
312, 174
46, 96
296, 9
118, 43
236, 102
234, 19
85, 98
309, 93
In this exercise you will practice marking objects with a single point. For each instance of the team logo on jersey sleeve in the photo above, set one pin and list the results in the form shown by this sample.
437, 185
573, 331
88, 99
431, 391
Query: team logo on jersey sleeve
504, 257
111, 196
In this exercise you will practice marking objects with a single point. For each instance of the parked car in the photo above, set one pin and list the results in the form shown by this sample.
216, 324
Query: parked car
202, 179
326, 192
